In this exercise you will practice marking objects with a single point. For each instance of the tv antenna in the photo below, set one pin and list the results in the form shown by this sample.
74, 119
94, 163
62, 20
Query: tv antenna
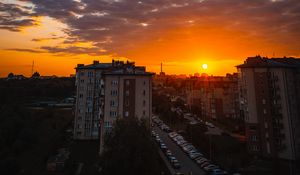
32, 67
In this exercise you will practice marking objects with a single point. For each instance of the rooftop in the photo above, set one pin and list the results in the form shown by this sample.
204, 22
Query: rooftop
259, 61
116, 68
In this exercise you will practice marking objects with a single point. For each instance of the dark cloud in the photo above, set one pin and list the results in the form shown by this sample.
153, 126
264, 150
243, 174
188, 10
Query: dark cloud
26, 50
73, 50
46, 39
119, 24
13, 16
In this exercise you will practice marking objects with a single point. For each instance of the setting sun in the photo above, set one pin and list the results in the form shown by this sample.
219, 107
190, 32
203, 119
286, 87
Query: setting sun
204, 66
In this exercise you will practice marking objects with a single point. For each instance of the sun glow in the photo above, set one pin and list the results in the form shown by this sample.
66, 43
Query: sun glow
204, 66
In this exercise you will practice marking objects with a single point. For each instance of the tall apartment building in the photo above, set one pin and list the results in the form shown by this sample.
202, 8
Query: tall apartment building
217, 96
107, 91
269, 97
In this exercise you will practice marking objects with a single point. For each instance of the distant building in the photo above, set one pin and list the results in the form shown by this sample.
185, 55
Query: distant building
35, 75
11, 76
216, 96
107, 91
269, 96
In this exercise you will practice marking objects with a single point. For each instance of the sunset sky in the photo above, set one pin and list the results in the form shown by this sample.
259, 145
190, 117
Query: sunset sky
183, 34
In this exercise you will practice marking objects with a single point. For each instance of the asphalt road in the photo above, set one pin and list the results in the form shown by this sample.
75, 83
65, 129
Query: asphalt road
187, 164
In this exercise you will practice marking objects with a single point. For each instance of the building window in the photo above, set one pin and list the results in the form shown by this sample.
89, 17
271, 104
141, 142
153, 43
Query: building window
267, 135
127, 93
126, 114
113, 113
253, 138
265, 111
268, 148
127, 103
114, 83
144, 83
107, 124
113, 103
266, 125
80, 95
255, 148
263, 101
144, 92
114, 92
81, 81
127, 82
144, 103
144, 112
90, 74
252, 128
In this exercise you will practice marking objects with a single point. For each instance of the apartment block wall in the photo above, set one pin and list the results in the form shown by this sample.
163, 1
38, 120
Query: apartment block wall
126, 96
268, 98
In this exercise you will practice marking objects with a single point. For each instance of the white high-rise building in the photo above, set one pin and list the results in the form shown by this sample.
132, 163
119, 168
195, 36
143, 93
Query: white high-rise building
106, 91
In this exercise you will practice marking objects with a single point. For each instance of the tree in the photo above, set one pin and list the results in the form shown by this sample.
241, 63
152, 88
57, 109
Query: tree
129, 149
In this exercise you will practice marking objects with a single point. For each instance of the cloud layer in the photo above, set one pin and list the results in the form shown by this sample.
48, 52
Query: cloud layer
114, 26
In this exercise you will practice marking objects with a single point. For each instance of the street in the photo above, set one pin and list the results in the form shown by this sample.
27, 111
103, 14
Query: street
188, 166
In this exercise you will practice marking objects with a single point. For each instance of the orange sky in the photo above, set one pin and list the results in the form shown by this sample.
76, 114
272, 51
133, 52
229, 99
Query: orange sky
180, 36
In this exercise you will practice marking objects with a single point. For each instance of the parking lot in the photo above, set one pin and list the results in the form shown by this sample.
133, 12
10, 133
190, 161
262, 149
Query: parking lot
181, 156
187, 165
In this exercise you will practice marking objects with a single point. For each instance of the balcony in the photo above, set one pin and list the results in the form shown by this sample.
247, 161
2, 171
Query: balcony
277, 126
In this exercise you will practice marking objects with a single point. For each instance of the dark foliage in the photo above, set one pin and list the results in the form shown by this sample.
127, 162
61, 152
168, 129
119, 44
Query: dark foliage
130, 150
19, 91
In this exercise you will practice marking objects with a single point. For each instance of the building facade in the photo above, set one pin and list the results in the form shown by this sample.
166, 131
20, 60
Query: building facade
107, 91
269, 98
216, 96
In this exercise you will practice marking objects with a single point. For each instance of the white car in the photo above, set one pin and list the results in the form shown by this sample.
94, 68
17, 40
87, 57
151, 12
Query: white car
172, 134
188, 148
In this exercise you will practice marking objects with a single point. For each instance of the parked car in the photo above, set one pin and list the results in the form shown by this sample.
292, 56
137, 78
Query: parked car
178, 137
201, 160
184, 144
210, 167
218, 172
168, 153
195, 155
176, 164
180, 142
171, 158
179, 173
202, 165
188, 148
153, 134
172, 134
163, 146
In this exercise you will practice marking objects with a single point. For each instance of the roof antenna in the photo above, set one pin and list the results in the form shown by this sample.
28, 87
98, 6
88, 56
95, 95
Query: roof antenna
32, 67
